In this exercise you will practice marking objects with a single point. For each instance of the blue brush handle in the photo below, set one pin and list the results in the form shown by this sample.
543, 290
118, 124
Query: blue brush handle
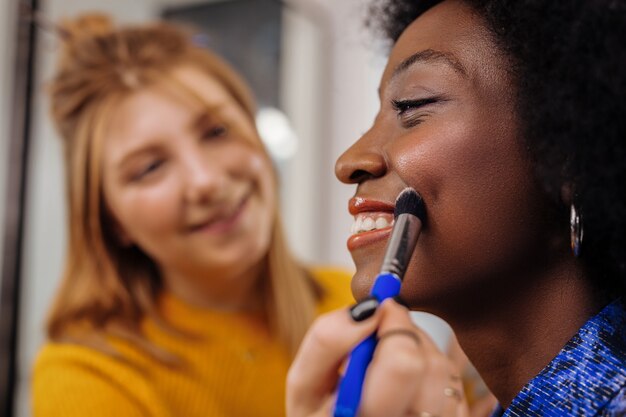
387, 285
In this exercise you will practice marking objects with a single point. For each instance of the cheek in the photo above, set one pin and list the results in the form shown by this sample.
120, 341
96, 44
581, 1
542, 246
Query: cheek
146, 213
262, 176
262, 172
480, 200
463, 165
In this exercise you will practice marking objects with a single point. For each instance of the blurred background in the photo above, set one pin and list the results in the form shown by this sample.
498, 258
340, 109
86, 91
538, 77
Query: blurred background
314, 68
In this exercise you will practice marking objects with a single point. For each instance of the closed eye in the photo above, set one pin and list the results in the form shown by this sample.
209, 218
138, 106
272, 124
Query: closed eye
402, 106
147, 170
215, 131
407, 110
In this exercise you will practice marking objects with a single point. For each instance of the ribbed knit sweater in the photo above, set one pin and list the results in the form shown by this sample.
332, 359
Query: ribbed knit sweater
231, 368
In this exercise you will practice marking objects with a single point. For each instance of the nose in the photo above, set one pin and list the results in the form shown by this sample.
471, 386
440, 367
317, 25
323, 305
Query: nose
205, 178
362, 161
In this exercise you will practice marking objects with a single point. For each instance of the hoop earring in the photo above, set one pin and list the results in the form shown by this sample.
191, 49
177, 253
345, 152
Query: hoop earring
576, 230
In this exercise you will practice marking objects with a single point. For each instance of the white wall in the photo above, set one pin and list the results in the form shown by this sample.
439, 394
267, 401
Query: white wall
330, 78
353, 103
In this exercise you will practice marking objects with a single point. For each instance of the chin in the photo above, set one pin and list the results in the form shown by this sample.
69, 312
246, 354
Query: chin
368, 260
363, 279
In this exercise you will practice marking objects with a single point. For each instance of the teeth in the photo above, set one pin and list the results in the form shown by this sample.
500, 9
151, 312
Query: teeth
368, 224
370, 221
381, 223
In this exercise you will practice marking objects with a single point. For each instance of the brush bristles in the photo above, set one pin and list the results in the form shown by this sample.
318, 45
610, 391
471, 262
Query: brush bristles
409, 201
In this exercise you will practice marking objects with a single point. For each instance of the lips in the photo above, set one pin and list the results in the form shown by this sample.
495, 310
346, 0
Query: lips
373, 220
358, 205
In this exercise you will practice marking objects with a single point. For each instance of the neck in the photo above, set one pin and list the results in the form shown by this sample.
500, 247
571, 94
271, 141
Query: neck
228, 291
516, 336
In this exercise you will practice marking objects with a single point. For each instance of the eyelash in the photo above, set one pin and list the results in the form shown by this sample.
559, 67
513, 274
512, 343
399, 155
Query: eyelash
150, 168
402, 107
215, 131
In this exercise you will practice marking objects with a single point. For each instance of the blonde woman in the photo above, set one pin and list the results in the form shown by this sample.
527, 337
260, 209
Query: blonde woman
179, 295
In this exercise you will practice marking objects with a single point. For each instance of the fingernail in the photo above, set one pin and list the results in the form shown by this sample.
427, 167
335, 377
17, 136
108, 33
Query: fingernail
364, 309
400, 301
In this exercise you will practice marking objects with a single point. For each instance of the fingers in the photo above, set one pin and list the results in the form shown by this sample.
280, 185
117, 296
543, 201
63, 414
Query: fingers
393, 376
409, 375
441, 390
315, 370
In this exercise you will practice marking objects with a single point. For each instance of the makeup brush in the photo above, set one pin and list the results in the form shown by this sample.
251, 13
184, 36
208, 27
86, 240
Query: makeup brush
409, 215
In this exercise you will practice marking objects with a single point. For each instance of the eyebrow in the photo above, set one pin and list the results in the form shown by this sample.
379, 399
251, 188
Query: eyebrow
205, 116
430, 56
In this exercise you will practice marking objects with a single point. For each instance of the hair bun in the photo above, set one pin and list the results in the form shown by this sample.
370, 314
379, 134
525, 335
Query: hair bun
79, 33
86, 26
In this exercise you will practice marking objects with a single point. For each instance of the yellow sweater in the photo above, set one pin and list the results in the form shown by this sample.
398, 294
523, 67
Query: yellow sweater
233, 370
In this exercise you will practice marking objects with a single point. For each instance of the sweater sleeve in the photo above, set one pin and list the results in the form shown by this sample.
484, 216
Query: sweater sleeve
72, 381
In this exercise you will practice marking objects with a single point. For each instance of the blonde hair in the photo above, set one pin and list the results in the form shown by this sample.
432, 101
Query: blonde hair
107, 288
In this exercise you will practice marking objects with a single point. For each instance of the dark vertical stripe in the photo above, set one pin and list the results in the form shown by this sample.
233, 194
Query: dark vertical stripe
15, 201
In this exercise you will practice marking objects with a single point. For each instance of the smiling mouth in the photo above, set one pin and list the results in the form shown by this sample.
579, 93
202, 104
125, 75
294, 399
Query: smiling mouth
373, 221
223, 222
367, 222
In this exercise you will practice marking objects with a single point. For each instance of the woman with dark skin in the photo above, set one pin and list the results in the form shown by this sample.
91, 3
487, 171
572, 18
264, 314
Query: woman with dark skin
508, 118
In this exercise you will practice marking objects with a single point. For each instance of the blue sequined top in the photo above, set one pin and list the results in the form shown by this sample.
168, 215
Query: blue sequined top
587, 377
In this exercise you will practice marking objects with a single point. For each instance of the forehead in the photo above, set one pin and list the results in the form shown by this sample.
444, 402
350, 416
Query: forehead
178, 98
205, 88
449, 34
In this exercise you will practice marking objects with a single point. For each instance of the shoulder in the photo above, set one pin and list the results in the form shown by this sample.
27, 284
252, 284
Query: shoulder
335, 284
73, 380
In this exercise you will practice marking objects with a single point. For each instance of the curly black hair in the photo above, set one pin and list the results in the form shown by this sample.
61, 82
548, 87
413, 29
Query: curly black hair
568, 59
